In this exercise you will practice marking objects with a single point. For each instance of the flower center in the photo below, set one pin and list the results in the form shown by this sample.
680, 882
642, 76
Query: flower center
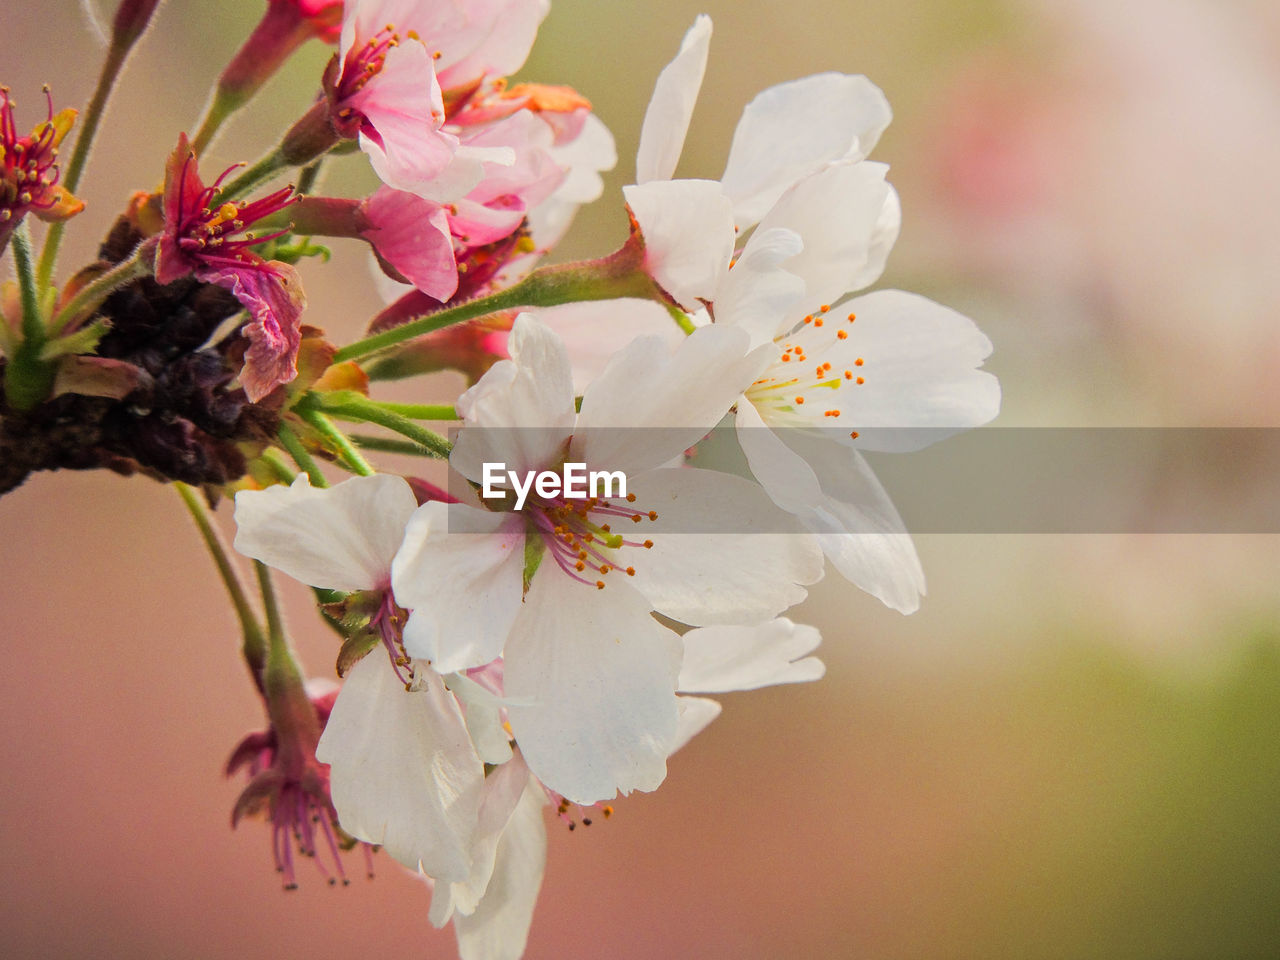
210, 233
387, 624
803, 381
365, 61
579, 534
28, 165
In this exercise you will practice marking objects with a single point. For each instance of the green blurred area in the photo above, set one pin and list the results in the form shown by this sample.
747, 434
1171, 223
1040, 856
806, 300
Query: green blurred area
1070, 752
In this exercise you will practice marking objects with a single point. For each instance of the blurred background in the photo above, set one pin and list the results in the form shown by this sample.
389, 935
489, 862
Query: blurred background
1071, 751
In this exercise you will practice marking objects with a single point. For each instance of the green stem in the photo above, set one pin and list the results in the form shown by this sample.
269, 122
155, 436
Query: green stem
33, 330
609, 278
265, 168
420, 411
288, 706
92, 294
222, 105
277, 466
391, 445
28, 380
324, 426
116, 57
349, 405
308, 177
254, 645
275, 626
681, 318
293, 446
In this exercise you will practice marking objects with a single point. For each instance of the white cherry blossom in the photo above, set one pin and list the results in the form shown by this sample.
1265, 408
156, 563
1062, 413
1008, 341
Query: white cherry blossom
404, 773
492, 909
901, 376
589, 675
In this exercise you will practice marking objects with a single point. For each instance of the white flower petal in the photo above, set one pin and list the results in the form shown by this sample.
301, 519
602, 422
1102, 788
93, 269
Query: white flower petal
696, 714
666, 121
745, 568
848, 218
460, 572
650, 403
524, 406
920, 372
796, 128
502, 46
503, 788
594, 331
402, 771
590, 677
722, 659
590, 152
499, 927
688, 236
834, 494
342, 537
483, 711
758, 294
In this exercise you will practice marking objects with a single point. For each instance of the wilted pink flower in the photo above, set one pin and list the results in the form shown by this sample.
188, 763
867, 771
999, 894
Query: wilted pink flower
292, 788
208, 241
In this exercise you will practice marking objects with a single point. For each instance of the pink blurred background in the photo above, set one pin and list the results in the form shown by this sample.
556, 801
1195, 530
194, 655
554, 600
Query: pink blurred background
1069, 752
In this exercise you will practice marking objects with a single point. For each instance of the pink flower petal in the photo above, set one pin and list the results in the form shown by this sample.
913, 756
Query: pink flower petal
272, 293
413, 235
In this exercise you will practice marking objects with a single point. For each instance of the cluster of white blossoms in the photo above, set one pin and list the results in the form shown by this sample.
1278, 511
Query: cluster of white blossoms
512, 657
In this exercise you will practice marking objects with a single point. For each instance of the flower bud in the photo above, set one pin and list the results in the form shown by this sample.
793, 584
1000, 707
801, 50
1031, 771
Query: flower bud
132, 17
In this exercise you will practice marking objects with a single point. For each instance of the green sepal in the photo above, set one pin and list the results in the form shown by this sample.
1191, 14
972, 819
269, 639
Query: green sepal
293, 249
354, 649
84, 340
534, 548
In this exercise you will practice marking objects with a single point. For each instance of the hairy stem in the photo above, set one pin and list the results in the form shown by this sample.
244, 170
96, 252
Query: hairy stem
306, 463
344, 447
253, 646
619, 275
349, 405
94, 293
